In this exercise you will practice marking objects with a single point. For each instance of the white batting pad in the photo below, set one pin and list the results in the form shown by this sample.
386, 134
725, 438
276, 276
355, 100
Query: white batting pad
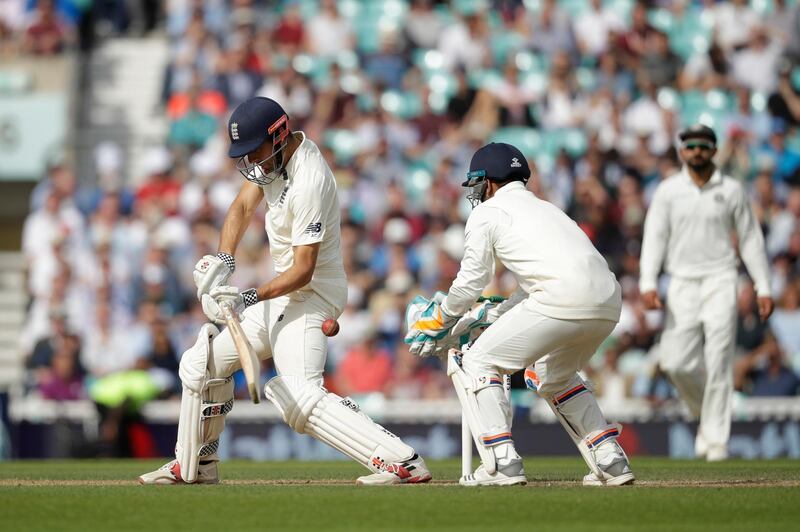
204, 404
465, 390
310, 409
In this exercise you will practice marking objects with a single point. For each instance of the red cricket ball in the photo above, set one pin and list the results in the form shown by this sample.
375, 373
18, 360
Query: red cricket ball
330, 327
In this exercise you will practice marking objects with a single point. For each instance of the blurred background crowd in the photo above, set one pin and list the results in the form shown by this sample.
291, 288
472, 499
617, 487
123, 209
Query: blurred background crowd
398, 94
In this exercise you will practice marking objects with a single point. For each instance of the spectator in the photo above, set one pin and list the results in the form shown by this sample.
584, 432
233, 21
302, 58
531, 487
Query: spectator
46, 34
595, 27
423, 25
328, 33
755, 66
733, 23
366, 368
63, 380
765, 374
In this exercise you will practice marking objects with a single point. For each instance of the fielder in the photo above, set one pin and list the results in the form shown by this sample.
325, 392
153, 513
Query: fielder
688, 227
282, 319
566, 305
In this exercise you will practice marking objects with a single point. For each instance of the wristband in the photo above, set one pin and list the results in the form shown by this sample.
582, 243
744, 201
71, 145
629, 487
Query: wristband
250, 297
229, 261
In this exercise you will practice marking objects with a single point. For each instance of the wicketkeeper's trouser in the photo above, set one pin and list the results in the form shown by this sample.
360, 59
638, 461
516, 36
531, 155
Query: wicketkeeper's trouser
557, 348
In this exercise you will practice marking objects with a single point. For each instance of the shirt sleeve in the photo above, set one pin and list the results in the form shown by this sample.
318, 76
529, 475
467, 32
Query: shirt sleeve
308, 211
477, 265
751, 243
654, 244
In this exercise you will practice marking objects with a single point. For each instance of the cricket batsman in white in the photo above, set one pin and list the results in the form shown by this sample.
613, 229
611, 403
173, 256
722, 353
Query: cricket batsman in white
689, 229
567, 303
282, 318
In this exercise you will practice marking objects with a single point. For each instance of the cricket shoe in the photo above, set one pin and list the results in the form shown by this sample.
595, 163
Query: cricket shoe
716, 453
412, 471
615, 470
510, 474
170, 473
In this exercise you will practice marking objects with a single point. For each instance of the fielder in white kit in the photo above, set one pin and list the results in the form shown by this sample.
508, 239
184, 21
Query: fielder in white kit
567, 303
283, 318
689, 229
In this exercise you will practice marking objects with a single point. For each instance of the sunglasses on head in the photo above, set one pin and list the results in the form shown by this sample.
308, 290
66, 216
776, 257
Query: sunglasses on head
703, 145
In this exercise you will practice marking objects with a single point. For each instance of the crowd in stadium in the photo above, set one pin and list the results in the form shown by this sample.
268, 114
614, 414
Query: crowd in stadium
399, 94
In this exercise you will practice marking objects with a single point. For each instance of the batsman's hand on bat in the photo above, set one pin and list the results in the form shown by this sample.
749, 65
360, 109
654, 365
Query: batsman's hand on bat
212, 271
213, 301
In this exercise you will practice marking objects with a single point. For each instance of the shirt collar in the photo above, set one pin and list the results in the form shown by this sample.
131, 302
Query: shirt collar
293, 162
716, 178
514, 185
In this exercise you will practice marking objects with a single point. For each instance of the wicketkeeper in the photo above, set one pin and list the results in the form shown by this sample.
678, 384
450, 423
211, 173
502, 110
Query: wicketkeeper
566, 305
282, 318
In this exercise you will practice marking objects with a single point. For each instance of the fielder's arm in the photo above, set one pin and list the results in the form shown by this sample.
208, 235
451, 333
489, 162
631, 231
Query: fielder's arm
239, 215
296, 277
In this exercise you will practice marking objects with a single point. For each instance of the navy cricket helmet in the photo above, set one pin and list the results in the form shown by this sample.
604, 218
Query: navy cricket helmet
497, 161
254, 122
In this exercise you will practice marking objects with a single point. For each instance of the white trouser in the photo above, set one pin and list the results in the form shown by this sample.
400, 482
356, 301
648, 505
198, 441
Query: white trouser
557, 348
523, 336
288, 329
697, 348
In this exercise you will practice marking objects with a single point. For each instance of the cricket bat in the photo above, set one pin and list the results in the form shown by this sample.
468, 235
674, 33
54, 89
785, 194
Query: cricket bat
251, 366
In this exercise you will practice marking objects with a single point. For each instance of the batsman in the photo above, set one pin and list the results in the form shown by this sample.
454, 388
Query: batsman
282, 318
567, 303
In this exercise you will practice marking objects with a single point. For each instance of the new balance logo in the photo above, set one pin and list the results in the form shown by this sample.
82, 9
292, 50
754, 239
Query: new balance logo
313, 228
515, 163
234, 131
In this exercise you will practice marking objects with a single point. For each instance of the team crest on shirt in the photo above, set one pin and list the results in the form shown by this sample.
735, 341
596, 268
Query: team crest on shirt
719, 198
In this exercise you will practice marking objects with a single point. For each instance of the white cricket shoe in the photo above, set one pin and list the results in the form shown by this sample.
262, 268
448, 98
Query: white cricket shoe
170, 473
716, 453
700, 446
510, 474
616, 472
412, 471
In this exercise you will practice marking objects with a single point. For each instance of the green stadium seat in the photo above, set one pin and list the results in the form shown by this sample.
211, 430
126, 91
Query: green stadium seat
527, 139
405, 105
344, 144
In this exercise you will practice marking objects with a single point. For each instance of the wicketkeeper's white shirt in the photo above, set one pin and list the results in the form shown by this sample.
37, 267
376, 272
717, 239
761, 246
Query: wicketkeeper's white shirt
304, 209
691, 227
552, 259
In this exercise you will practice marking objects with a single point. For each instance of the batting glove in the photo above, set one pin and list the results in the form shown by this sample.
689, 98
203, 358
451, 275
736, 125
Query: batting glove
212, 303
212, 271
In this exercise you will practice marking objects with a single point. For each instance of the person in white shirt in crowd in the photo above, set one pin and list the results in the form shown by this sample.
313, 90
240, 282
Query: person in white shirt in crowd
595, 27
689, 230
282, 318
567, 303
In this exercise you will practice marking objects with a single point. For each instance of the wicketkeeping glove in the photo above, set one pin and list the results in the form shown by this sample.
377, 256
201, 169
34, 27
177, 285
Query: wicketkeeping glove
212, 271
430, 319
478, 317
212, 303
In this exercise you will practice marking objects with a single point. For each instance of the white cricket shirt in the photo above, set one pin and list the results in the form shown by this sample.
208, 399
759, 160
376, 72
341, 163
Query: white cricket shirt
304, 209
552, 259
691, 228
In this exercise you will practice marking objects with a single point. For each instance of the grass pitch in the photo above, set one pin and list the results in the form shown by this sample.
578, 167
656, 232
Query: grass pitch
669, 495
